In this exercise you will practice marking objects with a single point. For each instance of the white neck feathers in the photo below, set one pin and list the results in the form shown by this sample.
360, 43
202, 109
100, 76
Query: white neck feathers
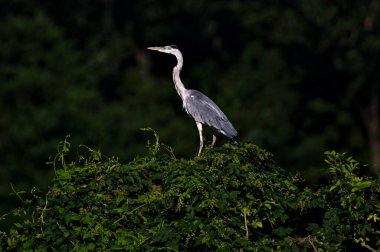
181, 90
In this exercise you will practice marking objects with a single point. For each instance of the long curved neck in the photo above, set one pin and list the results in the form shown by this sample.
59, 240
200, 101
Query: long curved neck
181, 90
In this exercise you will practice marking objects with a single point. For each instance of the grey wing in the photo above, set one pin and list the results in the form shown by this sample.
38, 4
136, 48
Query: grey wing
205, 111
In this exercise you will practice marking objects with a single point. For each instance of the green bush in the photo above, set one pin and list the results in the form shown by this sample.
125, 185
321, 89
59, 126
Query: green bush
232, 198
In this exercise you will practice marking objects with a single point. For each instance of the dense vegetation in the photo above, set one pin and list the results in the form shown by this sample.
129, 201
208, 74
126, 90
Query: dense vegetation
232, 198
295, 77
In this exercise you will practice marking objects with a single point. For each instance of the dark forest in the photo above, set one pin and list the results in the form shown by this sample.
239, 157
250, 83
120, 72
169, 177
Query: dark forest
297, 78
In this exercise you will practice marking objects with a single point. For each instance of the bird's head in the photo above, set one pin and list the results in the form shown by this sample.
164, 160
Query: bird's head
172, 49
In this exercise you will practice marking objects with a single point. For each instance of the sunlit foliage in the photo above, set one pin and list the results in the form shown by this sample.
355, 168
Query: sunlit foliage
232, 198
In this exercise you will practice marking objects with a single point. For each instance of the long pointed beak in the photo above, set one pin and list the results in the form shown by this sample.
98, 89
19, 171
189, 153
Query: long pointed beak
155, 48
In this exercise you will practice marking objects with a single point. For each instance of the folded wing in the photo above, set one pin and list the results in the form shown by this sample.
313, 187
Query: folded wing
205, 111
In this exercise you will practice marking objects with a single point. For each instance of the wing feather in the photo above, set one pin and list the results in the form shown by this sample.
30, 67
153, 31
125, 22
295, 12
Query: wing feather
205, 111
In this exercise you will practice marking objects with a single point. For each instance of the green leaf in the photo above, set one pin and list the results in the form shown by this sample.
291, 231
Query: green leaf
361, 185
257, 224
71, 217
119, 199
63, 174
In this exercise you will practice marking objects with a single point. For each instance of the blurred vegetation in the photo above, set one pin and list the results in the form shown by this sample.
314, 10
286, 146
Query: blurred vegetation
232, 198
295, 77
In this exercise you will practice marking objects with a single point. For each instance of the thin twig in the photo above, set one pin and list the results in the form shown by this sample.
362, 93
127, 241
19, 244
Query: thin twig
42, 214
369, 248
245, 224
311, 242
13, 189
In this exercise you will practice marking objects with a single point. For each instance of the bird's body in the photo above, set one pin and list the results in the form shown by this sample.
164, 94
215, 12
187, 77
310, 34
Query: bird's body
198, 105
205, 111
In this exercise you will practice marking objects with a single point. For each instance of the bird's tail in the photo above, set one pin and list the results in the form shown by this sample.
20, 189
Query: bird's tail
227, 129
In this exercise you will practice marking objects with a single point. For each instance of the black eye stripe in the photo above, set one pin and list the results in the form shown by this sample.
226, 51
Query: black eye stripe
174, 46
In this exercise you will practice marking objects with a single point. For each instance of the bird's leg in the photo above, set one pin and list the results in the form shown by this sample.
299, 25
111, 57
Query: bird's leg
199, 126
213, 140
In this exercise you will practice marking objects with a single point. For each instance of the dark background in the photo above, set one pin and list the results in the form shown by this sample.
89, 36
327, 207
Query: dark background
294, 77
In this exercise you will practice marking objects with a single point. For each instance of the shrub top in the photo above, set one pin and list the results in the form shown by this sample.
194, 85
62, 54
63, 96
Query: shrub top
233, 197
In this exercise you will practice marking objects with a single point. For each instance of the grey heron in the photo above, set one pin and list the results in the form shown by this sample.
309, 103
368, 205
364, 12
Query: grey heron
196, 104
